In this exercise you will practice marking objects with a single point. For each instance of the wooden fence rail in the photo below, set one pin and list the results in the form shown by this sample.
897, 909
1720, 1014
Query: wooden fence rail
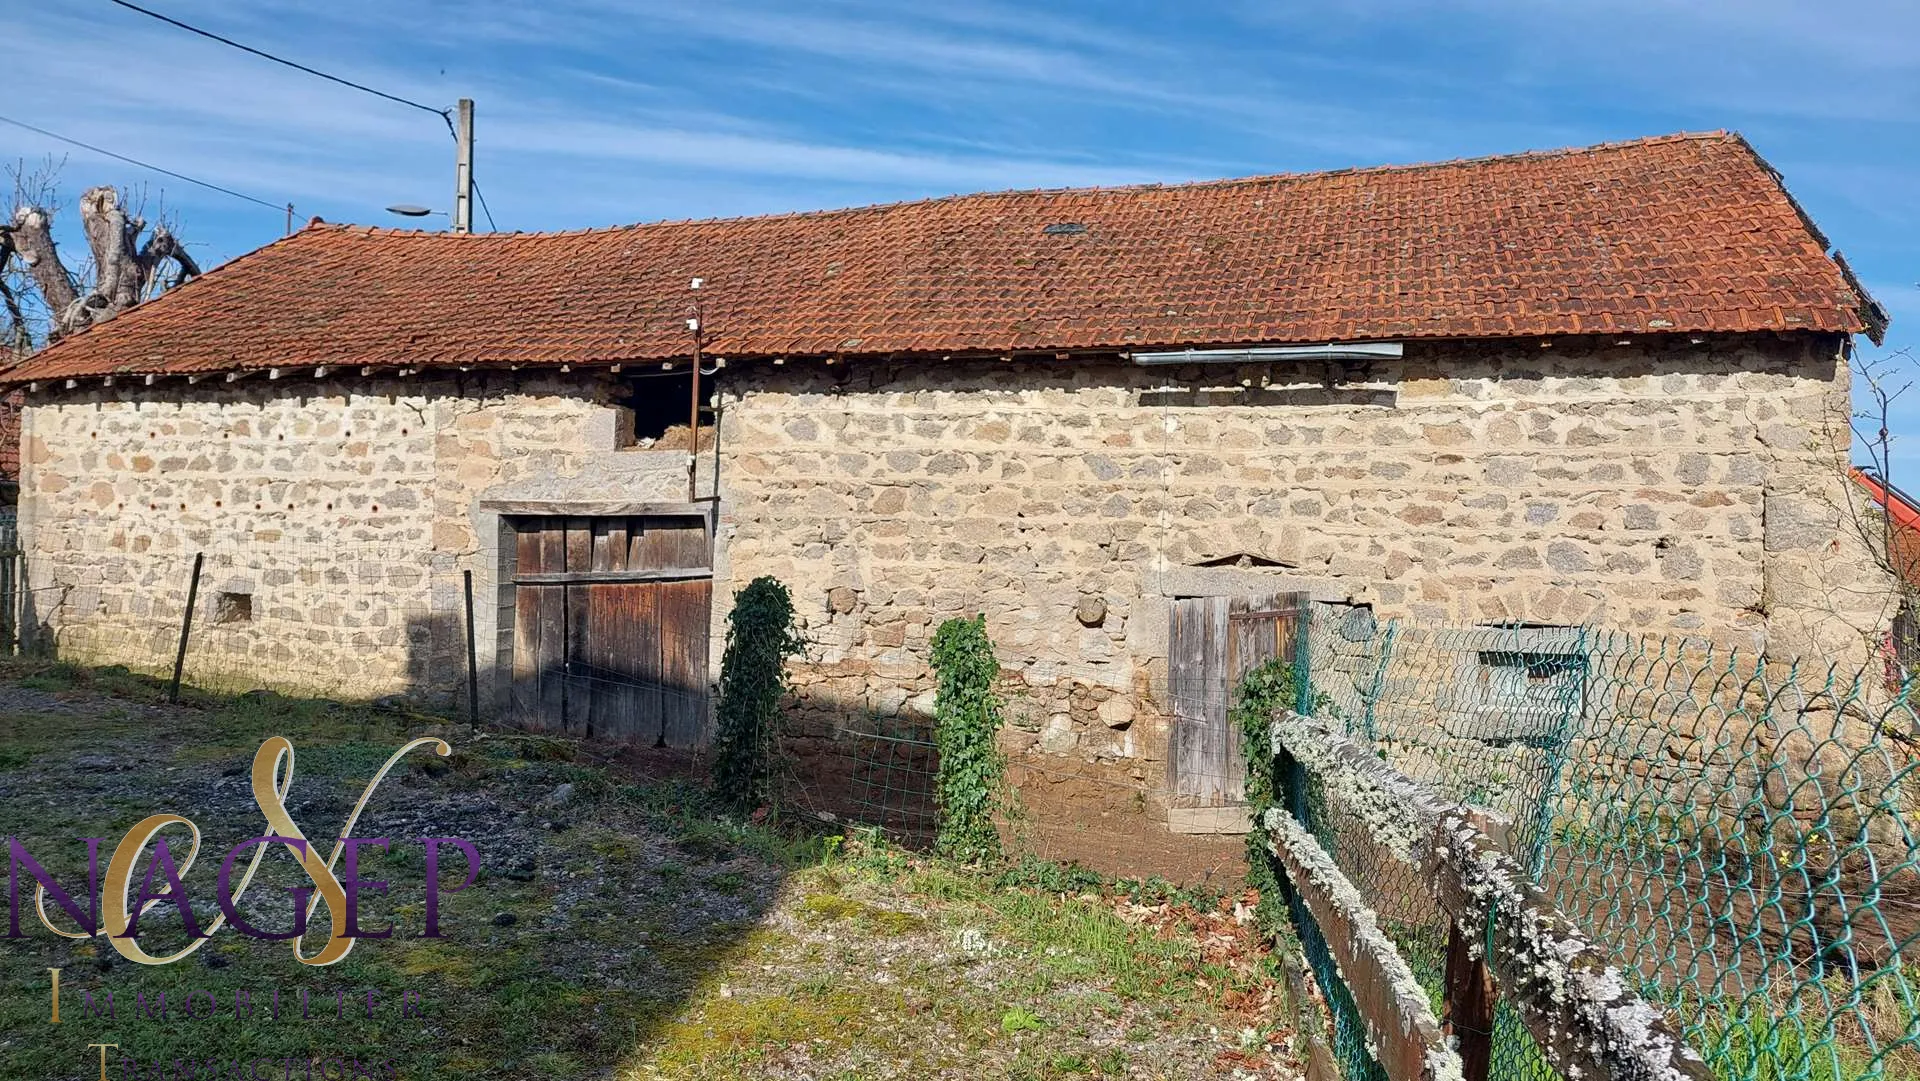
1576, 1004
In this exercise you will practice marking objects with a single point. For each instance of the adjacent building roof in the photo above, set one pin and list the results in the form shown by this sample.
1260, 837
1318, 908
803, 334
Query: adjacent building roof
1680, 234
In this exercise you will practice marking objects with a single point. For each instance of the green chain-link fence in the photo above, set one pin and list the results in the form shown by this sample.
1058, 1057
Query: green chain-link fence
1740, 834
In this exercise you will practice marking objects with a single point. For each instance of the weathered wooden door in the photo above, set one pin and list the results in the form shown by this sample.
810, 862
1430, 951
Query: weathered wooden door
610, 627
1212, 643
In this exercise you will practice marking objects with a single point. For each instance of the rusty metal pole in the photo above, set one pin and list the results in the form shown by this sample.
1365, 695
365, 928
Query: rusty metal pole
693, 402
186, 628
473, 663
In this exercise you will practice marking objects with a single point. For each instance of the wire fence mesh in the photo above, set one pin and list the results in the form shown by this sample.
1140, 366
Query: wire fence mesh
1738, 833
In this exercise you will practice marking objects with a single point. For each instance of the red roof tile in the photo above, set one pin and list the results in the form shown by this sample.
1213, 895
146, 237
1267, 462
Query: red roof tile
1687, 233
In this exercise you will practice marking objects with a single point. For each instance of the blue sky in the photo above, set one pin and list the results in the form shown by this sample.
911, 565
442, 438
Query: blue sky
594, 112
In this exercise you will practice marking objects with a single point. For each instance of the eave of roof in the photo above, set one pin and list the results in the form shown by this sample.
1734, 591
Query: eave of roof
1686, 234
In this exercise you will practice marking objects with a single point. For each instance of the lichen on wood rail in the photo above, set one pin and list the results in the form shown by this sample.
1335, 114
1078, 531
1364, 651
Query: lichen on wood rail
1575, 1003
1403, 1034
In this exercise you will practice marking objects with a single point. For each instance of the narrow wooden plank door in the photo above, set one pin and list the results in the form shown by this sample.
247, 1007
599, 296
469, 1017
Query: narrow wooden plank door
684, 608
1213, 642
1196, 664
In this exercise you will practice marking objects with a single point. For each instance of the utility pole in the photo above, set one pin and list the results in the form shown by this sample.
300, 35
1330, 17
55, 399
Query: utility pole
463, 167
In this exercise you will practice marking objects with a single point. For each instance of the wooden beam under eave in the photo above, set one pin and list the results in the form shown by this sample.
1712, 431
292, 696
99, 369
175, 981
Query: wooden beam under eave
236, 376
275, 373
320, 371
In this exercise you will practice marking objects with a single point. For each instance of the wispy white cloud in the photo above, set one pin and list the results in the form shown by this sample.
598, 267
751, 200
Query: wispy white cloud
600, 111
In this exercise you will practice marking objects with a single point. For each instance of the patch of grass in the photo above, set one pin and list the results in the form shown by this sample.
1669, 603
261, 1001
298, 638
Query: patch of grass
1032, 872
1078, 940
62, 676
724, 1033
828, 907
731, 883
941, 884
1020, 1019
1048, 876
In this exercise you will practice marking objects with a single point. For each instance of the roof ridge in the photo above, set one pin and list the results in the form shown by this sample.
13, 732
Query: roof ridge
1717, 135
1660, 235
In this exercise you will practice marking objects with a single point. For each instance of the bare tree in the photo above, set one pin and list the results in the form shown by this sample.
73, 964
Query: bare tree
42, 298
1875, 503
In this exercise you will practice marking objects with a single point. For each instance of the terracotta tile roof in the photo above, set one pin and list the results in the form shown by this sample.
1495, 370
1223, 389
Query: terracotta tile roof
1686, 233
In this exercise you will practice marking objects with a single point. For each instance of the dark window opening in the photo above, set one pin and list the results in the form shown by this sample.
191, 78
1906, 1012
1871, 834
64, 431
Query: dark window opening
1531, 688
1245, 559
653, 410
1539, 667
233, 608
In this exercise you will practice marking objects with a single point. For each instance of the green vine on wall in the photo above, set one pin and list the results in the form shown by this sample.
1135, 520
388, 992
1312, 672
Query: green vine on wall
753, 679
966, 716
1261, 692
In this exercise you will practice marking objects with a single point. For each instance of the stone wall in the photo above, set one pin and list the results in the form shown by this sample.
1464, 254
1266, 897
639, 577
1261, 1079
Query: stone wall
1685, 488
345, 509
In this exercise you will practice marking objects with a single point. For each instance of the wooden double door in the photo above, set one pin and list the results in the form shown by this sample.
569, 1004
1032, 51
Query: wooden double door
1212, 643
610, 627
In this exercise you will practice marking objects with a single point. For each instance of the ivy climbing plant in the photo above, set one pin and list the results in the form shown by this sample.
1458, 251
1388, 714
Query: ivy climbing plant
753, 678
966, 715
1261, 692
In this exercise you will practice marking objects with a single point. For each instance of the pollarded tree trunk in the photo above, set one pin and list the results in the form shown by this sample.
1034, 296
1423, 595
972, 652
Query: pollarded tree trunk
31, 238
126, 270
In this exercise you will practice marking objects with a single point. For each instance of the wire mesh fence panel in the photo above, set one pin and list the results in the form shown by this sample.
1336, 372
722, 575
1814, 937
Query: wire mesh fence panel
1737, 833
876, 772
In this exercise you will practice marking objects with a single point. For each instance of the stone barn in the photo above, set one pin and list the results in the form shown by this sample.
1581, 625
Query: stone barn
1605, 385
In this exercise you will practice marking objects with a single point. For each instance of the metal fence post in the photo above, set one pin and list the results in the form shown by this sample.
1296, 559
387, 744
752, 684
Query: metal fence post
1573, 704
1376, 686
473, 664
1303, 668
186, 628
10, 604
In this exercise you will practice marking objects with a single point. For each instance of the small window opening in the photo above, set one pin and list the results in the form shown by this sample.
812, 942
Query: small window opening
1529, 686
233, 608
652, 410
1537, 667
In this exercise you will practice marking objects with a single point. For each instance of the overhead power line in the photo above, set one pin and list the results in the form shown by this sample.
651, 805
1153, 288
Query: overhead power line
142, 164
442, 113
446, 115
